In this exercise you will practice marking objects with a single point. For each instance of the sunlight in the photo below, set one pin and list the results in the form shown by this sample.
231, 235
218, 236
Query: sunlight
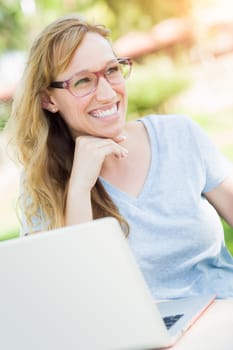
28, 7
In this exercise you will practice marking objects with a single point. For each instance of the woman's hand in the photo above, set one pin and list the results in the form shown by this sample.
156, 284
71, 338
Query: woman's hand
90, 153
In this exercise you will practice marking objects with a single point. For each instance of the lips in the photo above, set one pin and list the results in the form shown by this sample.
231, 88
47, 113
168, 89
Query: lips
104, 113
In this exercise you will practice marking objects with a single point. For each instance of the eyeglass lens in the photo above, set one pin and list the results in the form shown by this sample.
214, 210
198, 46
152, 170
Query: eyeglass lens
84, 83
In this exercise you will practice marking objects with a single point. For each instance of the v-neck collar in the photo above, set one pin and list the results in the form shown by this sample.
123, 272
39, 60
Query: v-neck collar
145, 190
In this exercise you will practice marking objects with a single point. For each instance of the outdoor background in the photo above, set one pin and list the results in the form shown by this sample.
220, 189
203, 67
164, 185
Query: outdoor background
183, 64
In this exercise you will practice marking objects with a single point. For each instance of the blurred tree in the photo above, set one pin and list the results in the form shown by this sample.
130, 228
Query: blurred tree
143, 14
20, 19
11, 34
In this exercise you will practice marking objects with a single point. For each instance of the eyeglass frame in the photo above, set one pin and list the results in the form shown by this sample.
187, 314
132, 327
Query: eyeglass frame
65, 84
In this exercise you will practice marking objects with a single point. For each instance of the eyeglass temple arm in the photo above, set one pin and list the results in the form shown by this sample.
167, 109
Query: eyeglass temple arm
58, 84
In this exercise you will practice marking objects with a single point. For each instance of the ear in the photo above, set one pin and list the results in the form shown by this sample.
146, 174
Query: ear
47, 103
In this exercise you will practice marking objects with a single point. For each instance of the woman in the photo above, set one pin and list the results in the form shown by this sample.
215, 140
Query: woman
160, 176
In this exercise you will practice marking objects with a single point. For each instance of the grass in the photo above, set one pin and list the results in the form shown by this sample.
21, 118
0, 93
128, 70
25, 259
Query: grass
228, 236
9, 234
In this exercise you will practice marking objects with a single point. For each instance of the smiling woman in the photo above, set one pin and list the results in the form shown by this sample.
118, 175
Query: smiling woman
46, 121
159, 176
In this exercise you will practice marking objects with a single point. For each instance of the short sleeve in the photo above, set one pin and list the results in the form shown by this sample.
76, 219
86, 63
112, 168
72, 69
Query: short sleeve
216, 166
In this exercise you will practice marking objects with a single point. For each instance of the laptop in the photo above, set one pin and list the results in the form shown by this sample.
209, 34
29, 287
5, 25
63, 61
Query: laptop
79, 288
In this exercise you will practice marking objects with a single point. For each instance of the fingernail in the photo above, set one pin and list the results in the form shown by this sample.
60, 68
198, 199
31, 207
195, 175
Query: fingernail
125, 153
121, 137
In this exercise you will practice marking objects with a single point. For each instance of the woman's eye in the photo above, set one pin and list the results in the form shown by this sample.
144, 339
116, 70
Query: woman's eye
82, 81
112, 70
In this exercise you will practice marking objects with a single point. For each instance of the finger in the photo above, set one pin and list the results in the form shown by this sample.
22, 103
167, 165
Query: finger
91, 143
120, 138
112, 148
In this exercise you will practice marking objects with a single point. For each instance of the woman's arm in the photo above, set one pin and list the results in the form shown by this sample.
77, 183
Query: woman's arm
221, 197
90, 153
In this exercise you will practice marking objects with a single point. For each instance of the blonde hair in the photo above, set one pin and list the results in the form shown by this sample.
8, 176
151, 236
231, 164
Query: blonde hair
43, 143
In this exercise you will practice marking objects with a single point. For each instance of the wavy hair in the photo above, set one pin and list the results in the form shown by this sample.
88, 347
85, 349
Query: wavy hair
42, 141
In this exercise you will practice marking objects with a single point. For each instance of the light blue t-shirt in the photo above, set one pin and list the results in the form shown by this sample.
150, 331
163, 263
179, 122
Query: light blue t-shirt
175, 234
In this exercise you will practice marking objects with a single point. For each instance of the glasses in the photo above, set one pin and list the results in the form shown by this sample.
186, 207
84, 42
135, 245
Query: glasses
85, 83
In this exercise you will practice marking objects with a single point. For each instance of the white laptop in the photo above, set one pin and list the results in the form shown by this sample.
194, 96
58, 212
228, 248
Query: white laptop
79, 288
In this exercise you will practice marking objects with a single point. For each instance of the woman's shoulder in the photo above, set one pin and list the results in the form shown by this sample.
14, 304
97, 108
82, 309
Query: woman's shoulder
170, 123
171, 119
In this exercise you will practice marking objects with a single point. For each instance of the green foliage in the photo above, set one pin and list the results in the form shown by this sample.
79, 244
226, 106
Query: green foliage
228, 236
19, 21
153, 83
4, 114
11, 35
9, 234
143, 14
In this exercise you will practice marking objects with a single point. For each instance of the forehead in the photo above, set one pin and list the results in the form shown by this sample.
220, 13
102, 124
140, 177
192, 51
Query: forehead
92, 54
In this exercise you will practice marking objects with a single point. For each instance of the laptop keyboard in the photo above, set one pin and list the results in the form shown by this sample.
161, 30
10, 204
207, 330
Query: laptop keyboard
171, 320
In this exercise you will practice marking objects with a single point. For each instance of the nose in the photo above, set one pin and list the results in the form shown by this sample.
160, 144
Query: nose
104, 90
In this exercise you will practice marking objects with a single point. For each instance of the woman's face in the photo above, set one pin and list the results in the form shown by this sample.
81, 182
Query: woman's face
101, 113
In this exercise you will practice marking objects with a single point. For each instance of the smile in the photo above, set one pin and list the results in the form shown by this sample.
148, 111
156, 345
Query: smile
104, 113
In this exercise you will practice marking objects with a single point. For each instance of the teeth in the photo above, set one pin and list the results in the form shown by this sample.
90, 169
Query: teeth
106, 113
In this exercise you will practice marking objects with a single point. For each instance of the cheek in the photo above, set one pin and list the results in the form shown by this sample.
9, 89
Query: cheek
121, 90
72, 108
124, 95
